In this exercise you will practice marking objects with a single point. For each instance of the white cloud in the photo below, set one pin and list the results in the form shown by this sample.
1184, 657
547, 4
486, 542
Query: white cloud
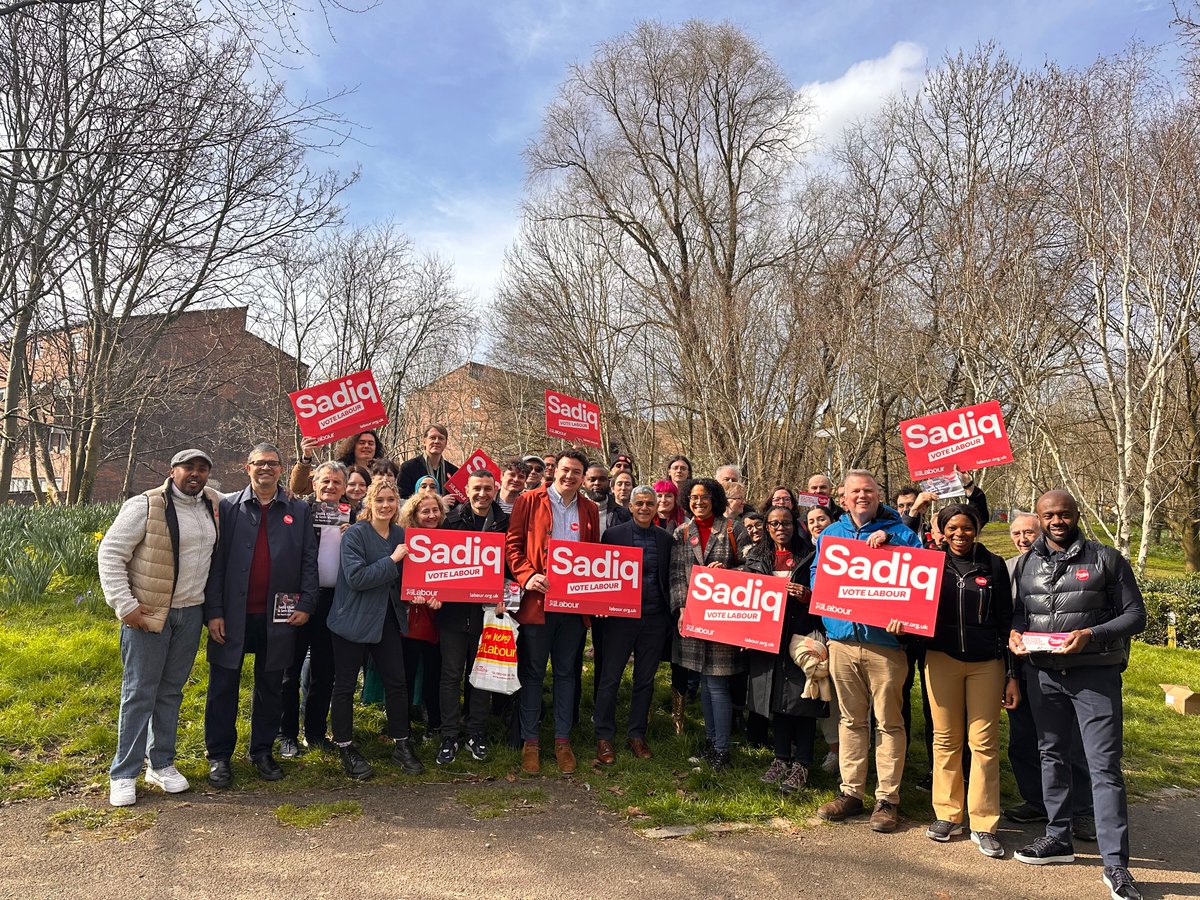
864, 88
472, 230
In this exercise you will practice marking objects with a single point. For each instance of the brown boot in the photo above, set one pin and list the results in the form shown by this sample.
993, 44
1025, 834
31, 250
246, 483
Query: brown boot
841, 806
531, 761
677, 710
885, 818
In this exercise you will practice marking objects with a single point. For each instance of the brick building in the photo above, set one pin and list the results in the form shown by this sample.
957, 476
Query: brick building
204, 380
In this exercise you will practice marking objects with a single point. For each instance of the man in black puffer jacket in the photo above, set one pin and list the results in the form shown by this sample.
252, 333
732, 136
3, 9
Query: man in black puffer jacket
1086, 591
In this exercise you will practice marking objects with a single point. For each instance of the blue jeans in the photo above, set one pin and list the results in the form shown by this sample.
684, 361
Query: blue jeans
156, 667
556, 642
1085, 700
716, 700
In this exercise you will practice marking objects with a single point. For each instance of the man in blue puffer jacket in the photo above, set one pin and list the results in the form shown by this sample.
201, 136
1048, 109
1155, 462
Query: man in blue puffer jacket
868, 666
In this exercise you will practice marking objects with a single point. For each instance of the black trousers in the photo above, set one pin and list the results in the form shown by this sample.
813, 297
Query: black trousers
388, 656
794, 737
642, 639
458, 657
224, 688
1026, 761
428, 657
312, 640
597, 627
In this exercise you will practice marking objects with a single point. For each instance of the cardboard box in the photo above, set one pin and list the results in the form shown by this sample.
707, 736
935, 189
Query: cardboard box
1182, 699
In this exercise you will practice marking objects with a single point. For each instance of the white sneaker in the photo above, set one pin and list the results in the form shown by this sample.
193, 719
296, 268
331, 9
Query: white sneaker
830, 763
168, 779
122, 791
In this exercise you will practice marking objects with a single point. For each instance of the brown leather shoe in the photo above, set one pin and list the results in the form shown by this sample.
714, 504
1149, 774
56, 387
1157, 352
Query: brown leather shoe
885, 818
565, 757
605, 753
677, 710
640, 748
840, 807
531, 761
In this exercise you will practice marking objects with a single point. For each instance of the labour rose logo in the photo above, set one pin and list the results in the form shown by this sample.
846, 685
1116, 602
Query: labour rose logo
1082, 574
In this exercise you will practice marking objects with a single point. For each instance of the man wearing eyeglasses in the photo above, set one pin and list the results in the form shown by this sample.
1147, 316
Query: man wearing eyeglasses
262, 586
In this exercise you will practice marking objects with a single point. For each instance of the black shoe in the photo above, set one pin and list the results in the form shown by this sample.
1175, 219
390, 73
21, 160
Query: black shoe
289, 747
354, 763
323, 744
1120, 883
447, 751
1083, 828
267, 768
1025, 814
926, 783
219, 774
404, 756
1045, 850
478, 746
720, 760
704, 755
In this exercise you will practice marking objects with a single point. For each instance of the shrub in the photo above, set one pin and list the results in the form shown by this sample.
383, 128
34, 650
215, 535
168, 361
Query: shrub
1180, 596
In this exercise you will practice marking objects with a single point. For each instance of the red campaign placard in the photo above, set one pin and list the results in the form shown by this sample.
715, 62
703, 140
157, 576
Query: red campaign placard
973, 437
452, 566
739, 608
457, 483
572, 419
340, 408
873, 586
594, 579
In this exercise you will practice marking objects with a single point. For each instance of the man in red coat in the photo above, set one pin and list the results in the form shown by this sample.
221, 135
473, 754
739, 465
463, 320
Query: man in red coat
557, 511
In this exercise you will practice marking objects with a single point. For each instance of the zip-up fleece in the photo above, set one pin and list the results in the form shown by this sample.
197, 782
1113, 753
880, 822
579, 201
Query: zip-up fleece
899, 534
974, 609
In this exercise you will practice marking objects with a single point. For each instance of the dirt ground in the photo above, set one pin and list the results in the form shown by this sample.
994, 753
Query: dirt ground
420, 841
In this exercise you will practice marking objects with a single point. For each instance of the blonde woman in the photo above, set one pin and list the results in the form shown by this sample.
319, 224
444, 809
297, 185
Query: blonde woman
368, 618
422, 650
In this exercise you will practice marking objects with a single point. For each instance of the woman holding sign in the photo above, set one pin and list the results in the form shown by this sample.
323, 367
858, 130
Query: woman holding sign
367, 618
424, 509
965, 671
707, 540
777, 684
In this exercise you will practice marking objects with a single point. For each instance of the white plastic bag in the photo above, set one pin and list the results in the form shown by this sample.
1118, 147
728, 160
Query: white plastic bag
495, 666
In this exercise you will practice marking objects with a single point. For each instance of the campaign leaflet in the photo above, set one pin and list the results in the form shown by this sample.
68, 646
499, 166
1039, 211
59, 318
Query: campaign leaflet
456, 484
1044, 641
452, 566
572, 419
340, 408
732, 607
872, 586
812, 500
331, 515
945, 486
285, 605
969, 438
594, 579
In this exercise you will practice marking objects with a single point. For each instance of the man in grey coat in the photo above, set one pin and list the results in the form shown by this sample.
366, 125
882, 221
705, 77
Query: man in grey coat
262, 585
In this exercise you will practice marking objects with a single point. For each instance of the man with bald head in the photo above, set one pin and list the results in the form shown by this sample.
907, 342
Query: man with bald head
1069, 585
1023, 756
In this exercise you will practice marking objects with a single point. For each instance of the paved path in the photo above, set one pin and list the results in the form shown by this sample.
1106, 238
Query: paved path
419, 841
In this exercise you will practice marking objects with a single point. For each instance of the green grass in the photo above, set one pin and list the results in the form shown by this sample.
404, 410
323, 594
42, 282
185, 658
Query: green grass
119, 824
495, 801
1162, 561
314, 815
60, 683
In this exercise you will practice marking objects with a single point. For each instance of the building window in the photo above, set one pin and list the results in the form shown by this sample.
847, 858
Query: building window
475, 403
58, 440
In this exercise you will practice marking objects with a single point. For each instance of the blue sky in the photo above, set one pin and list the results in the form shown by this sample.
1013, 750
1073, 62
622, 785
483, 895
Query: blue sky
447, 94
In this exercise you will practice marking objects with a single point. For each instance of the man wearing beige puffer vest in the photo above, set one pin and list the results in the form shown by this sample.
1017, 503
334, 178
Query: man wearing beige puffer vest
154, 563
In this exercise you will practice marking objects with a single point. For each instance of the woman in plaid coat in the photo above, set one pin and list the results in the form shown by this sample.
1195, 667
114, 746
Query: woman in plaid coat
707, 539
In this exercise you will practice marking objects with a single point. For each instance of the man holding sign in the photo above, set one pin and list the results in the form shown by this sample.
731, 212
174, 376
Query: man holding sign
867, 665
643, 637
559, 511
460, 626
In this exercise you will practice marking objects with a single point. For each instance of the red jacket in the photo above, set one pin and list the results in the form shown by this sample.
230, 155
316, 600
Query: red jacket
528, 542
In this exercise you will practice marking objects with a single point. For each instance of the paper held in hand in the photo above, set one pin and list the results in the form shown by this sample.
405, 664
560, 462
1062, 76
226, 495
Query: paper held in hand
1044, 642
